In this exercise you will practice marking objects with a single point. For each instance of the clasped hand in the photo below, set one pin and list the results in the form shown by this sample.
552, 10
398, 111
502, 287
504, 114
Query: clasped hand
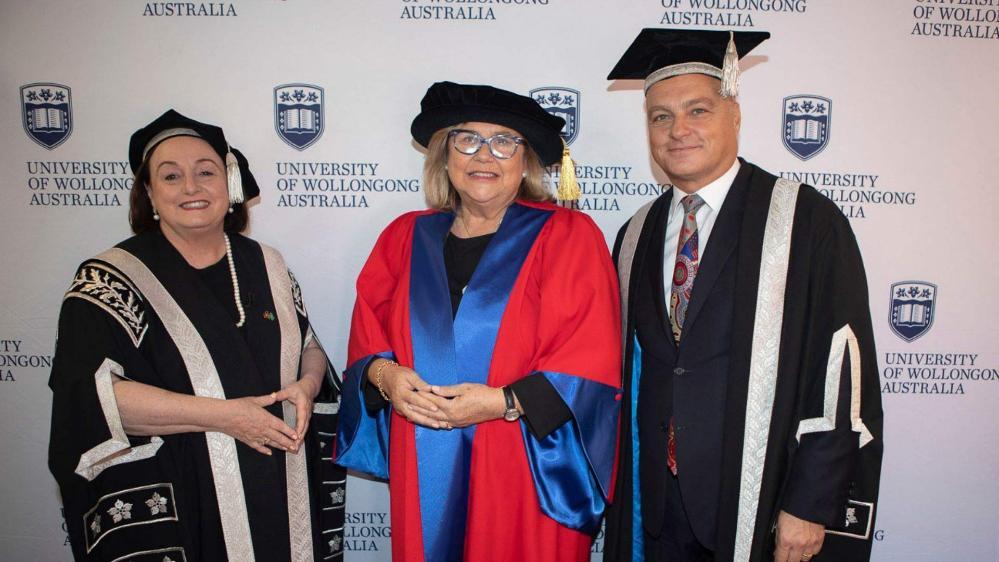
248, 420
440, 407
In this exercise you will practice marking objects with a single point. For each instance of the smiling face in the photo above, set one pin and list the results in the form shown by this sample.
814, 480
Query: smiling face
693, 131
481, 179
187, 186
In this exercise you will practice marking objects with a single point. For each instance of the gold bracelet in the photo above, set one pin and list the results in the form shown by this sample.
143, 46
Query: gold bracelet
379, 373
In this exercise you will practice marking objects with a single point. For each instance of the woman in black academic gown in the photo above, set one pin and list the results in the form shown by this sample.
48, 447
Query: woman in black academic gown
190, 393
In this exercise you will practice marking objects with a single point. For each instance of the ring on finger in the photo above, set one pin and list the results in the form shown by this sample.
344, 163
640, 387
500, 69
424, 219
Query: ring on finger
806, 557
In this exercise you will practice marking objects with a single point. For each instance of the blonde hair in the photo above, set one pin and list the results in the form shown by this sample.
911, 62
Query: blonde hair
442, 196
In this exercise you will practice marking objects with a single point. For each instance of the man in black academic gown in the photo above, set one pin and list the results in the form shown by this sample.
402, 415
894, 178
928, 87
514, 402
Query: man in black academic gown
752, 422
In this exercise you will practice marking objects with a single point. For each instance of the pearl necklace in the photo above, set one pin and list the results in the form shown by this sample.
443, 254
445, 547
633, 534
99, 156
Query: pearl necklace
235, 282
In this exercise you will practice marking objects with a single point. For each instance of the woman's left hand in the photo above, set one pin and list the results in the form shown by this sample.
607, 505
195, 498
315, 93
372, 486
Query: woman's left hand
471, 403
301, 393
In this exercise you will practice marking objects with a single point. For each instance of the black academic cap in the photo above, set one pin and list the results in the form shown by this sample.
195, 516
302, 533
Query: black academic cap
447, 103
701, 51
242, 185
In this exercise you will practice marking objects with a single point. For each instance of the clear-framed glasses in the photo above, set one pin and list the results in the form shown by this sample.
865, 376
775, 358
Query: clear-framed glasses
501, 146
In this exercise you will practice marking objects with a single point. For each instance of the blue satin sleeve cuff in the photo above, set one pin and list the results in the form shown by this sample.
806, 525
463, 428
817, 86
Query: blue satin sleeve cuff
362, 437
637, 530
572, 465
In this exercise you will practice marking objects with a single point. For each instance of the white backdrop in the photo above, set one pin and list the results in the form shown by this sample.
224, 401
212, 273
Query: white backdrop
908, 88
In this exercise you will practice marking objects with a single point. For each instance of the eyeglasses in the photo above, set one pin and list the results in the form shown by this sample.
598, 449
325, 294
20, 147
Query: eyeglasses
501, 146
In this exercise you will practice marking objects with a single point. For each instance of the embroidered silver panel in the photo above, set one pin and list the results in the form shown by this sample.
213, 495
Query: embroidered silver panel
205, 382
113, 293
296, 294
626, 257
326, 408
859, 516
843, 341
764, 358
143, 505
336, 493
116, 450
172, 554
283, 290
333, 540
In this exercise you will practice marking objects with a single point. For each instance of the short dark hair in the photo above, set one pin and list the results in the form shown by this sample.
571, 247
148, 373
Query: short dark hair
140, 208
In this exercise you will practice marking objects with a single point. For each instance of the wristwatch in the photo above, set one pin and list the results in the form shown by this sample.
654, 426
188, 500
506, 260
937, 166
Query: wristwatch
511, 413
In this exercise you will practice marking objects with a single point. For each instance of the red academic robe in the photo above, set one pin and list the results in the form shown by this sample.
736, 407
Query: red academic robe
528, 499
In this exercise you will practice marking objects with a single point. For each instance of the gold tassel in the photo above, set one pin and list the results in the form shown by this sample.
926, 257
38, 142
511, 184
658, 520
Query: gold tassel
234, 179
730, 69
568, 188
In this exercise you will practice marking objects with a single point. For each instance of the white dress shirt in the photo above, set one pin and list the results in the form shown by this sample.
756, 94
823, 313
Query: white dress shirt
713, 195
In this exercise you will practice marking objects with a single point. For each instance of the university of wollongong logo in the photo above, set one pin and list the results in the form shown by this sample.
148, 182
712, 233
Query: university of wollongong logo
913, 304
561, 102
298, 114
806, 123
47, 113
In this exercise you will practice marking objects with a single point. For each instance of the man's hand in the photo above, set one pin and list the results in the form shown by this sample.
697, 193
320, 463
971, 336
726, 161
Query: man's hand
797, 539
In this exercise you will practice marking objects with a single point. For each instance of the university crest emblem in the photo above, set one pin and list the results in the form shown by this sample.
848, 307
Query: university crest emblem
561, 102
298, 114
912, 307
47, 113
806, 124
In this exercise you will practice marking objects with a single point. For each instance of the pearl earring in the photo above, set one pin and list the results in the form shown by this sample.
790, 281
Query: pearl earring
230, 209
156, 216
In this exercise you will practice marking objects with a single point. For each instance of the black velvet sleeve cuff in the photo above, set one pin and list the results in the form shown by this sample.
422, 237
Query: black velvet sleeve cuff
819, 481
544, 409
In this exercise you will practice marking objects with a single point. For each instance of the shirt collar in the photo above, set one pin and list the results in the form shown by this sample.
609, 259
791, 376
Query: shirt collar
714, 193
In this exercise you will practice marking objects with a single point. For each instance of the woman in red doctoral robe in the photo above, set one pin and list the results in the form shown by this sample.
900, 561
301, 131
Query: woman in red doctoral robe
484, 360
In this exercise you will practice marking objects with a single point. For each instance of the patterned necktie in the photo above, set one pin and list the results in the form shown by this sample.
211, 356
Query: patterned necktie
683, 280
686, 265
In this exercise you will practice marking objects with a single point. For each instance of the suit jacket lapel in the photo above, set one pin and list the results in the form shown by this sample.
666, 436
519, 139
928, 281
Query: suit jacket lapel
648, 268
656, 258
721, 245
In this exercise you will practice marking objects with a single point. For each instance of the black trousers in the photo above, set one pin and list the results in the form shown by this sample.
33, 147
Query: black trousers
677, 542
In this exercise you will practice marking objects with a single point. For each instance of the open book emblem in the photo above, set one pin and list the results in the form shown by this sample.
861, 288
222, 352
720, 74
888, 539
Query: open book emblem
47, 113
806, 124
561, 102
912, 306
298, 114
